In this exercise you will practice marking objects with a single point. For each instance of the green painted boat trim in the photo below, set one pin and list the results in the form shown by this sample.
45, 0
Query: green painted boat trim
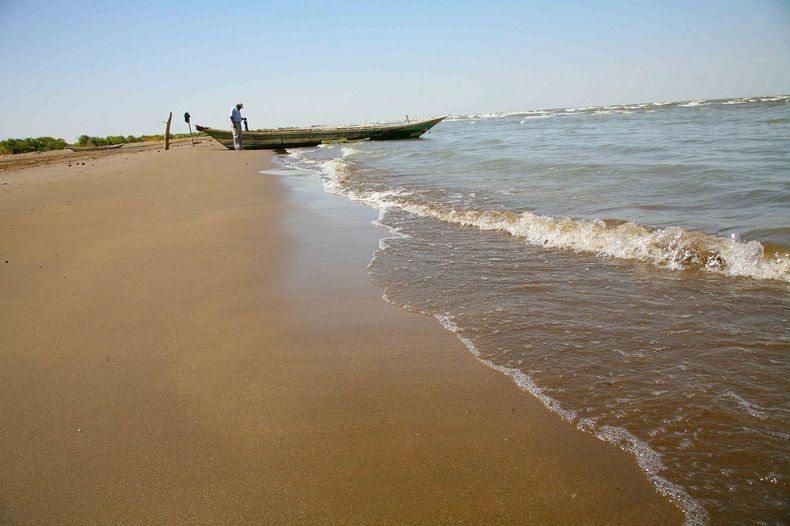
281, 138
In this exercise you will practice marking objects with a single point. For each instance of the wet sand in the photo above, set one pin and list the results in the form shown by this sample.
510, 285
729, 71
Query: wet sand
184, 340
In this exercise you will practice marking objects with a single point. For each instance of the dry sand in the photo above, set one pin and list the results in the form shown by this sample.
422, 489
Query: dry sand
186, 341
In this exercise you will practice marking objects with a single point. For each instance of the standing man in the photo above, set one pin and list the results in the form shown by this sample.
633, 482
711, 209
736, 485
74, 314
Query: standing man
235, 120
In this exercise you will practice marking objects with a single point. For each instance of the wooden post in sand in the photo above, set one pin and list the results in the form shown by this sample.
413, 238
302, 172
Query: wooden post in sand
167, 131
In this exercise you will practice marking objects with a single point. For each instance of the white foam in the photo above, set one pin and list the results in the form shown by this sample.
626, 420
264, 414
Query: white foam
394, 232
531, 117
539, 228
650, 462
348, 151
614, 108
521, 379
648, 459
672, 248
750, 408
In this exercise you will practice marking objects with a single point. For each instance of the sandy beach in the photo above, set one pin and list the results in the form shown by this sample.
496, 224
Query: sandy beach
184, 340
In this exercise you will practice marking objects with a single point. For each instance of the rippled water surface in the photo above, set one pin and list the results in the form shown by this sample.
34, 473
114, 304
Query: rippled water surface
628, 265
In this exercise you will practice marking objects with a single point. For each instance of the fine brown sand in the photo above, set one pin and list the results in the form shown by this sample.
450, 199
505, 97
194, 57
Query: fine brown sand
186, 341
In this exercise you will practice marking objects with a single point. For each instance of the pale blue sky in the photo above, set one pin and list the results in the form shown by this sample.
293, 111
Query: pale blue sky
118, 67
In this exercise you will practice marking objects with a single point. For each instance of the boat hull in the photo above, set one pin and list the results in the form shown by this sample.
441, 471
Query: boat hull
299, 137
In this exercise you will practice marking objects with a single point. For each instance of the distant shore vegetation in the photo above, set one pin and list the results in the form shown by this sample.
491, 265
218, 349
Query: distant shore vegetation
31, 144
45, 144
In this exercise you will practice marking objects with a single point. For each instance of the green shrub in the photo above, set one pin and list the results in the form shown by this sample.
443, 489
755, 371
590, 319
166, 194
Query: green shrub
43, 144
31, 144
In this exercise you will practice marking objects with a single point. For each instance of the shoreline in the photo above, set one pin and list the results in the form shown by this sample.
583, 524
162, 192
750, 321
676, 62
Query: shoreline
191, 341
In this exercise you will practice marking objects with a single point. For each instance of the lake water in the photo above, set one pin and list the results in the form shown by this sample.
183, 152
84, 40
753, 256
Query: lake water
628, 265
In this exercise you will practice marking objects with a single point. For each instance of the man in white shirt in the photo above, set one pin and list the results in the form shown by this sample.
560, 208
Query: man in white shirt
235, 120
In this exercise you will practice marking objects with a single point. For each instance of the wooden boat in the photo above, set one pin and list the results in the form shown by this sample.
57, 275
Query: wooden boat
94, 148
295, 137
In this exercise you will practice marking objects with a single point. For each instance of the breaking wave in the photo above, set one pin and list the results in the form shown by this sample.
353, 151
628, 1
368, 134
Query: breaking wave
619, 108
672, 248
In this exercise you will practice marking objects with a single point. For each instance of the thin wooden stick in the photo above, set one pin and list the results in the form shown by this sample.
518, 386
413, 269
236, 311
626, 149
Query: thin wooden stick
167, 131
